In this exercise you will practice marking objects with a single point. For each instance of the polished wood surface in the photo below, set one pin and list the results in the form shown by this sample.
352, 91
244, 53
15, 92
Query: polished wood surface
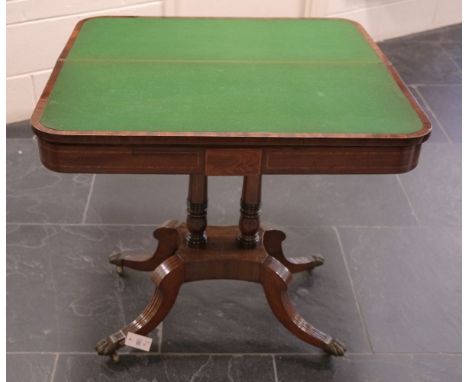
168, 242
220, 258
249, 221
197, 204
272, 241
233, 161
120, 159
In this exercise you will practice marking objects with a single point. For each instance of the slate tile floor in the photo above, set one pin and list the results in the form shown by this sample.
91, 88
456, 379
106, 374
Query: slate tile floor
390, 287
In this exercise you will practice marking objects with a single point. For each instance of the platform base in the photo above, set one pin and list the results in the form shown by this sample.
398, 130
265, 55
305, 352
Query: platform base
175, 263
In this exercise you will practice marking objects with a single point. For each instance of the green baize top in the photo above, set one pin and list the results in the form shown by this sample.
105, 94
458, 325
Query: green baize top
226, 75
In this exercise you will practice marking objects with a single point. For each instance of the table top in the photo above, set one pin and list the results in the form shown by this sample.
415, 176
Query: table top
231, 77
226, 97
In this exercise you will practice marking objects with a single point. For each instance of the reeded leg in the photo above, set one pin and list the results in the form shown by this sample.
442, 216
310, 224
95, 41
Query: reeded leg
167, 237
272, 242
274, 278
196, 211
168, 277
249, 222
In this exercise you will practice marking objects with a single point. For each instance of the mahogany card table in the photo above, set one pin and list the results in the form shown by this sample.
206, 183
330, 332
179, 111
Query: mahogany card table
210, 97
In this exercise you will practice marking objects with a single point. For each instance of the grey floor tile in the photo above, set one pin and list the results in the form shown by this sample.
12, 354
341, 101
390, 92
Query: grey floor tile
29, 367
301, 200
234, 316
138, 199
434, 187
377, 200
408, 282
446, 103
30, 291
61, 277
166, 368
450, 33
21, 129
437, 134
143, 199
421, 62
370, 368
37, 195
224, 193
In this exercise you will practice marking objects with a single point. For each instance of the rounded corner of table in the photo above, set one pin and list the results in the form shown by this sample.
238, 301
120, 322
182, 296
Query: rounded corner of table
345, 20
51, 142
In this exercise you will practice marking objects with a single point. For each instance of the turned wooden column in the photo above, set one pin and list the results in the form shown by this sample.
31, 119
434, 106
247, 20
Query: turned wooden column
196, 211
249, 222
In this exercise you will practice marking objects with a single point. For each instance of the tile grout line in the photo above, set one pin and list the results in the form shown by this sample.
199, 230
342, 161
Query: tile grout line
450, 57
52, 375
139, 354
85, 212
403, 189
275, 371
158, 224
161, 325
416, 88
83, 224
353, 289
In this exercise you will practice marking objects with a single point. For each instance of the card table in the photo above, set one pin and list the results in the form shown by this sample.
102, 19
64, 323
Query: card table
238, 97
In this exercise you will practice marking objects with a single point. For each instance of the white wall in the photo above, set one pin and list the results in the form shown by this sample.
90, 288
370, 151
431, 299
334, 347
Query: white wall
383, 19
36, 33
38, 29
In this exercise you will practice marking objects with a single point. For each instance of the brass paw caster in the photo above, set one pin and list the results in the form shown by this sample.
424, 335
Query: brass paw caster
318, 260
314, 261
117, 260
335, 347
109, 345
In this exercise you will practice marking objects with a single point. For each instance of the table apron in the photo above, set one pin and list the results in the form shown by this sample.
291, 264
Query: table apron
340, 160
150, 159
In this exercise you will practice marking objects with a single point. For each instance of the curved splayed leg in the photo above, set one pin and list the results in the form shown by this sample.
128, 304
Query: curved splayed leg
275, 278
168, 278
167, 237
272, 241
